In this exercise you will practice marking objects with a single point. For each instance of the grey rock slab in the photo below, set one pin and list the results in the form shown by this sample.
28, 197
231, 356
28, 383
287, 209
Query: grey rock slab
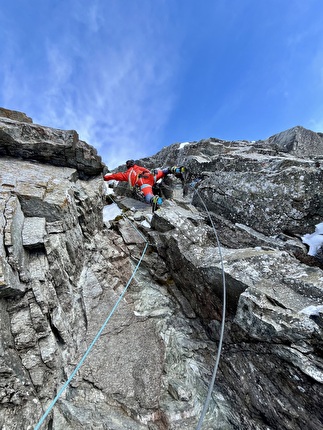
34, 232
153, 362
298, 141
47, 145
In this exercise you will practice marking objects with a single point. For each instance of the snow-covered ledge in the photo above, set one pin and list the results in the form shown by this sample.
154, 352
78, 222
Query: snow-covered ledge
314, 240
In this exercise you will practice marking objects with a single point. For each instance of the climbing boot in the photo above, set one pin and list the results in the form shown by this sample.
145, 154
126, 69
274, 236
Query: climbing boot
178, 171
156, 202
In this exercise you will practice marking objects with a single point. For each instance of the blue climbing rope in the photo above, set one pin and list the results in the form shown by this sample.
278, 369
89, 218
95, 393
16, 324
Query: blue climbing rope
63, 388
211, 385
216, 365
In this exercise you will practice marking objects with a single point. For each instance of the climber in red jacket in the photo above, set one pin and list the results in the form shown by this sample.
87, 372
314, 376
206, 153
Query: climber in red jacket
143, 178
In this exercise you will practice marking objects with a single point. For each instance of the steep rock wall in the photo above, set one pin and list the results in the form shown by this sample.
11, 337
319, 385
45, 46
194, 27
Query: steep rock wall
63, 268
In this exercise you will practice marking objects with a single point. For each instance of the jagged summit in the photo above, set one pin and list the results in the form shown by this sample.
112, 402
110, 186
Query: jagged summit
298, 141
64, 264
20, 138
15, 115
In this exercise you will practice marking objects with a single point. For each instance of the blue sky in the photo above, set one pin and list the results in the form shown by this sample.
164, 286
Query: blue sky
133, 76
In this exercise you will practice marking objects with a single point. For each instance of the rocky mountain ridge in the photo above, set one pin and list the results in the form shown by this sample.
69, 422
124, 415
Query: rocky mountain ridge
63, 267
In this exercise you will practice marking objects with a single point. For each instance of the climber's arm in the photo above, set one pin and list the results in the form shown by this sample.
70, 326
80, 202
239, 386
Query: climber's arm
120, 176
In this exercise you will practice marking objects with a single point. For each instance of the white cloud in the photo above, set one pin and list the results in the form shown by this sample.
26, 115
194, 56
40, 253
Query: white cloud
59, 69
108, 74
10, 62
88, 14
118, 95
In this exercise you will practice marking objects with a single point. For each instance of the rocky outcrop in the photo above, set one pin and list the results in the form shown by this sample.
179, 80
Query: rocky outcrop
29, 141
297, 141
261, 202
15, 115
63, 267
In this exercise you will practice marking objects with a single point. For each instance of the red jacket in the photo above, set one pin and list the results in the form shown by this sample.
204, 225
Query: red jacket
131, 175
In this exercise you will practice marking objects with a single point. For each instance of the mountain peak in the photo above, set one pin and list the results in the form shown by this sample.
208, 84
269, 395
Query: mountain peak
298, 141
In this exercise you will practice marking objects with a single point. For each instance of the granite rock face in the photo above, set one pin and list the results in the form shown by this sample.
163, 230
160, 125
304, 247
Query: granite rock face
64, 267
15, 115
297, 141
30, 141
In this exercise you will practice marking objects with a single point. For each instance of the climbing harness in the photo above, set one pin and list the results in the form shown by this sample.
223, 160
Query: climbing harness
97, 335
211, 385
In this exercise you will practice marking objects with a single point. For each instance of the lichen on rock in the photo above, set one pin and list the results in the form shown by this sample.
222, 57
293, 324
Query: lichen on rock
63, 268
